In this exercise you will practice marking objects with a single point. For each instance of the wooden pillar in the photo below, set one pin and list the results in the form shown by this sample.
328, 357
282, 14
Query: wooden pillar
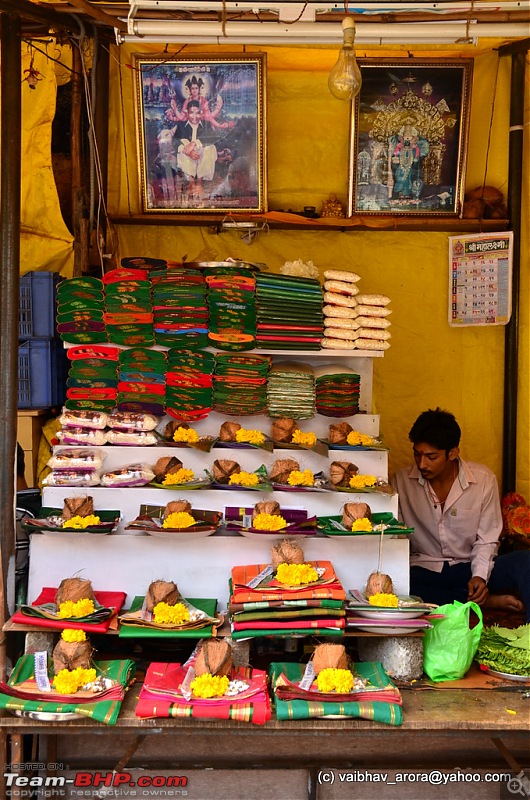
79, 215
10, 146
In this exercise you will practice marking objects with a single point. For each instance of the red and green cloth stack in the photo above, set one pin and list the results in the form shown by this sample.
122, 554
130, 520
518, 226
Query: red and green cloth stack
142, 384
260, 605
80, 311
289, 313
180, 309
128, 310
240, 384
189, 392
232, 309
92, 378
337, 391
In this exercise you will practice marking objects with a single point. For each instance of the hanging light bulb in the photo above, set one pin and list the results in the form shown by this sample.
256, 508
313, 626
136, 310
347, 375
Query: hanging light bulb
345, 80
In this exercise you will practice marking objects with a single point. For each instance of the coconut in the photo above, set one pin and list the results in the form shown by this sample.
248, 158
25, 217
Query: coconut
473, 209
70, 655
329, 656
174, 506
282, 468
74, 589
228, 431
222, 468
283, 429
286, 552
338, 432
353, 511
161, 592
378, 583
266, 507
340, 472
77, 507
489, 194
165, 466
172, 426
215, 657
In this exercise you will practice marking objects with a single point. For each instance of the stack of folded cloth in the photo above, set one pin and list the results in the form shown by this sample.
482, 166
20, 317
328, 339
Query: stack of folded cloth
80, 311
189, 391
240, 384
232, 310
180, 309
289, 313
207, 686
329, 686
92, 378
262, 604
143, 262
128, 310
291, 391
142, 386
337, 391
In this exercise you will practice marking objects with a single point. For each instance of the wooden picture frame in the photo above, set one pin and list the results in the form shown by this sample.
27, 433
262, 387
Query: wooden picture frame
408, 137
201, 128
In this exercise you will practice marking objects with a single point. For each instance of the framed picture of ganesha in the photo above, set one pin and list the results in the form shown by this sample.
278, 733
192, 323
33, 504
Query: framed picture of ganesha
201, 131
408, 137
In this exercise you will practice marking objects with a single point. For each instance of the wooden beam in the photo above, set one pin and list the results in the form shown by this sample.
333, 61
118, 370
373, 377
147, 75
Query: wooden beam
100, 16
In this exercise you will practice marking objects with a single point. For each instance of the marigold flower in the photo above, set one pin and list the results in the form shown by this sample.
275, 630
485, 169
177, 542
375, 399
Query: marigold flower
69, 681
208, 685
362, 524
73, 636
251, 436
296, 574
186, 435
305, 439
82, 608
355, 438
164, 614
362, 481
244, 479
79, 523
180, 476
383, 599
335, 680
298, 478
269, 522
178, 519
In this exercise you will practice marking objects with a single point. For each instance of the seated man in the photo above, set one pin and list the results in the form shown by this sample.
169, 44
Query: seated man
453, 506
196, 157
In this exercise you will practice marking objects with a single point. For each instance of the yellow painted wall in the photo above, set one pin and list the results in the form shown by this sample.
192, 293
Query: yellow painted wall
429, 363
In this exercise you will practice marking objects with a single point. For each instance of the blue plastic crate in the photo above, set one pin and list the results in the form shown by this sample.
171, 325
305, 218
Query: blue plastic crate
38, 304
42, 370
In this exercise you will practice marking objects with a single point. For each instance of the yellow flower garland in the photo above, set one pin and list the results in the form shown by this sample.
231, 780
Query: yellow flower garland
362, 481
164, 614
269, 522
362, 524
79, 523
251, 436
208, 685
305, 439
73, 636
69, 681
178, 519
180, 476
244, 479
356, 438
383, 599
335, 680
70, 609
296, 574
186, 435
298, 478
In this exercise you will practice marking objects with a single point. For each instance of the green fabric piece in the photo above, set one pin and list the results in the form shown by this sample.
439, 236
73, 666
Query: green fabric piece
208, 605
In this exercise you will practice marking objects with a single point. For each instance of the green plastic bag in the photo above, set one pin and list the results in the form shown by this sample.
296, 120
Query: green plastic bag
449, 646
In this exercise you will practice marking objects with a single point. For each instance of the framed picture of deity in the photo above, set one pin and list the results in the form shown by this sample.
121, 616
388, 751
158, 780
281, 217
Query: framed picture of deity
408, 141
201, 127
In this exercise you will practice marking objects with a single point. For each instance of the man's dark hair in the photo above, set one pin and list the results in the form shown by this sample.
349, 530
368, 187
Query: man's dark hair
194, 104
436, 427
